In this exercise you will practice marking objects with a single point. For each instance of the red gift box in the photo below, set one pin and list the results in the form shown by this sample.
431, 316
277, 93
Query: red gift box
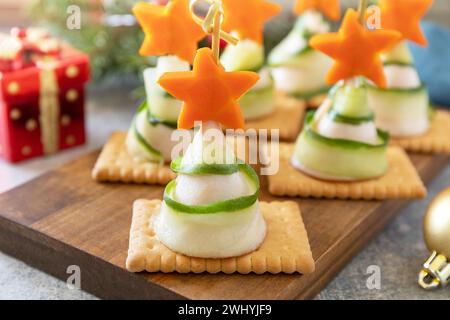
41, 96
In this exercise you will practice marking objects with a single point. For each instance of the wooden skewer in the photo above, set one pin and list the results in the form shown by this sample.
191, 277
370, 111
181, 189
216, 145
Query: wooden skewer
216, 35
362, 12
211, 24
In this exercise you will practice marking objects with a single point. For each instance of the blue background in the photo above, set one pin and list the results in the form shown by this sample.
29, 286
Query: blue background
433, 62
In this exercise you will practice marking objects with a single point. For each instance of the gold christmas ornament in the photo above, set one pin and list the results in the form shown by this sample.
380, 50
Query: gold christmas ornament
436, 228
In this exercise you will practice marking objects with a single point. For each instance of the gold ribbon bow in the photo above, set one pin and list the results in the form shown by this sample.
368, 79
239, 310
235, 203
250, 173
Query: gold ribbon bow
49, 108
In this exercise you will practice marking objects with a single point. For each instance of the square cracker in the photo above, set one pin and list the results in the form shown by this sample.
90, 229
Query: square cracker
287, 117
436, 140
115, 165
400, 181
284, 250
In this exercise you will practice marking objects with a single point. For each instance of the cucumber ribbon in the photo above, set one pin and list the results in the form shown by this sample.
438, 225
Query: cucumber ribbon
343, 143
337, 117
418, 89
221, 206
145, 144
141, 140
154, 121
220, 169
307, 95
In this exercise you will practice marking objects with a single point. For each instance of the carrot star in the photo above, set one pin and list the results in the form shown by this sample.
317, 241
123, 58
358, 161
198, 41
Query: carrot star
405, 16
356, 50
247, 17
209, 92
168, 29
329, 8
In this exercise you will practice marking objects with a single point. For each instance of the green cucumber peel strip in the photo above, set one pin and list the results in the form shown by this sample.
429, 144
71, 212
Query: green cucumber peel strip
310, 94
266, 89
203, 168
145, 144
343, 143
255, 69
154, 121
362, 82
143, 106
167, 94
303, 51
336, 117
399, 90
398, 63
160, 91
221, 206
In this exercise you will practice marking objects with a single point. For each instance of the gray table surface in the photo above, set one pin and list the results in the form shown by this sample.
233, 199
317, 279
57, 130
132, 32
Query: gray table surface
398, 251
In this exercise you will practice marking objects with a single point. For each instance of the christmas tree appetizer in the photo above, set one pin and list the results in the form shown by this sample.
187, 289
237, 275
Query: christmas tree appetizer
340, 152
260, 106
246, 19
210, 218
210, 178
402, 108
172, 34
297, 68
324, 148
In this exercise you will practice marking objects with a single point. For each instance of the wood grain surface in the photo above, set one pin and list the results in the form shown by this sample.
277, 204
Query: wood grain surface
64, 218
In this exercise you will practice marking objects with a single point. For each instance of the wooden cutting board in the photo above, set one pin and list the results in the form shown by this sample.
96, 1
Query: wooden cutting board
64, 218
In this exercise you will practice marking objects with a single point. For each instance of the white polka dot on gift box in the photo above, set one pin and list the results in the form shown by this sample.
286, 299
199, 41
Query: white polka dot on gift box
26, 150
70, 140
13, 88
72, 71
71, 95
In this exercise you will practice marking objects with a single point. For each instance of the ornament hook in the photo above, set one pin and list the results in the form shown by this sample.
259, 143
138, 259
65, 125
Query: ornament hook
436, 226
435, 272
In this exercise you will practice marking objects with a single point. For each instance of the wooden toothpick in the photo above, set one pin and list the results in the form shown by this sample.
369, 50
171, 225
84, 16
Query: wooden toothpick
211, 24
216, 34
362, 12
